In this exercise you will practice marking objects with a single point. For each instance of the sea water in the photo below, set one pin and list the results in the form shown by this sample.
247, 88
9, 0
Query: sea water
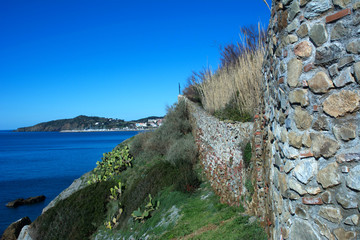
45, 163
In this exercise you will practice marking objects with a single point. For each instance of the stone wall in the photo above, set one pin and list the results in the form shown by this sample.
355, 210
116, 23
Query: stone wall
311, 102
220, 147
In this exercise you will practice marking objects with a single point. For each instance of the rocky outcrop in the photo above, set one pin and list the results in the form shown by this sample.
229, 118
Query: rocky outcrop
13, 231
21, 201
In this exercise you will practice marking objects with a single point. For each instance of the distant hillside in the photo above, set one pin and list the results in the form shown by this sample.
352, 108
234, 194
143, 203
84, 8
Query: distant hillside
82, 123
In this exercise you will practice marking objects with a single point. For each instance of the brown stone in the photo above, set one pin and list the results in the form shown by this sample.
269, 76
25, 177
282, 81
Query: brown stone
312, 201
320, 83
308, 67
303, 31
338, 15
327, 197
306, 140
342, 234
323, 146
338, 104
301, 211
282, 20
302, 119
299, 96
303, 49
295, 140
333, 214
14, 229
341, 3
321, 124
294, 68
329, 176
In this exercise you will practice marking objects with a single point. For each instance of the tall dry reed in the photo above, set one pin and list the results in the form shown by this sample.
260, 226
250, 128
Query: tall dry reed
239, 82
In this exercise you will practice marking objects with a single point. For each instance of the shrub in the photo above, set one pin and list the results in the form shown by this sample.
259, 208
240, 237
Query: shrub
247, 154
182, 151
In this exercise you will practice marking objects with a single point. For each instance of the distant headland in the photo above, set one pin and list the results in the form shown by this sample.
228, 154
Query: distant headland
84, 123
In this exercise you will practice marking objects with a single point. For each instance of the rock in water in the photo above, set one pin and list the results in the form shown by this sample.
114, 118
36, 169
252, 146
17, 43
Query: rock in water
21, 201
13, 231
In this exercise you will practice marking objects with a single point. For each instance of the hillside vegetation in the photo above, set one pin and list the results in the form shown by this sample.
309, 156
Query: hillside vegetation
149, 187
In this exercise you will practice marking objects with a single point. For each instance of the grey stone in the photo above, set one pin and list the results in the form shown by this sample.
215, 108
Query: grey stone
329, 176
341, 3
299, 96
353, 47
306, 140
293, 25
342, 234
295, 140
292, 195
333, 214
321, 124
341, 103
345, 61
353, 178
327, 54
348, 157
352, 220
327, 197
333, 70
339, 31
356, 19
302, 118
294, 68
318, 34
306, 170
290, 152
347, 200
344, 78
294, 10
357, 71
288, 123
296, 186
302, 211
303, 30
278, 160
24, 234
346, 132
289, 165
282, 184
285, 2
324, 230
316, 7
320, 83
302, 230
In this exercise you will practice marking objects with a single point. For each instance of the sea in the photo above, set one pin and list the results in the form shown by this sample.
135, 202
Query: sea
45, 163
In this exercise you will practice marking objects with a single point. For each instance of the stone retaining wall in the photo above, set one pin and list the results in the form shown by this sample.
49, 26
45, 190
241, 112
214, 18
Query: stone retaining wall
220, 147
312, 101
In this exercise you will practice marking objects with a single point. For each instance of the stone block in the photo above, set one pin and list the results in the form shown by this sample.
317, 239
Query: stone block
296, 186
344, 78
303, 30
302, 119
303, 49
357, 71
320, 83
337, 16
316, 7
345, 132
294, 68
313, 190
347, 200
323, 146
292, 38
329, 176
327, 197
341, 103
306, 140
352, 220
321, 124
299, 96
327, 54
333, 70
341, 3
353, 47
302, 229
342, 234
295, 140
353, 178
289, 165
305, 170
348, 157
294, 25
332, 214
294, 9
312, 201
343, 62
339, 31
302, 211
318, 34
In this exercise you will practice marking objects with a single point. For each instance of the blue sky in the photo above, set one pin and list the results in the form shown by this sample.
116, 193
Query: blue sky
120, 59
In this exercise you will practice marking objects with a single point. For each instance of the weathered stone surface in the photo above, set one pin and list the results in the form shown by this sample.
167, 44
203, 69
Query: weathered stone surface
312, 201
294, 68
303, 31
318, 34
344, 78
306, 170
295, 140
347, 200
292, 38
316, 7
296, 186
324, 230
327, 197
338, 104
341, 3
302, 119
357, 71
294, 10
313, 190
352, 220
289, 165
299, 96
327, 54
303, 49
346, 132
283, 184
282, 20
301, 211
345, 61
302, 230
342, 234
323, 146
306, 140
329, 176
339, 31
353, 178
333, 214
290, 152
293, 25
303, 2
348, 157
353, 47
333, 70
292, 195
320, 83
321, 124
13, 231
